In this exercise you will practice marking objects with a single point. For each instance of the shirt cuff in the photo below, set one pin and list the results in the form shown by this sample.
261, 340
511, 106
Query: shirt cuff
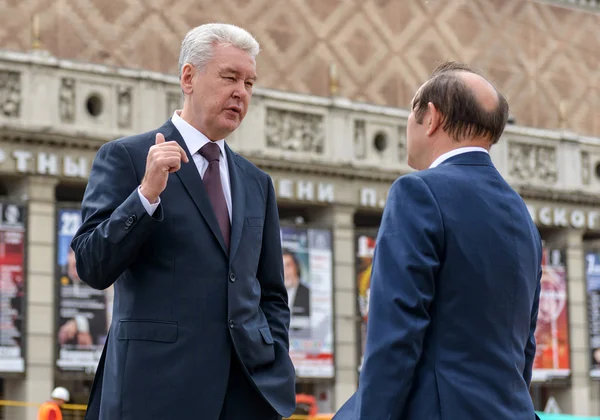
150, 208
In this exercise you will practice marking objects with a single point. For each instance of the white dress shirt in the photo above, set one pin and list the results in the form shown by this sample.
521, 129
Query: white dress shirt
194, 140
456, 152
292, 296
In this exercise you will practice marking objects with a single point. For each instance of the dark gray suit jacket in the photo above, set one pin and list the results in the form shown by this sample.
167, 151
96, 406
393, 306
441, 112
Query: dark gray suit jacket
182, 302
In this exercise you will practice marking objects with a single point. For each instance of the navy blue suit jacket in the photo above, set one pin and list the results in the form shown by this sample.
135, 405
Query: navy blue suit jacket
183, 303
454, 297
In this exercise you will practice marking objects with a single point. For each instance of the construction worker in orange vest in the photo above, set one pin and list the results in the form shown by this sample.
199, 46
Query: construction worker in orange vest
50, 410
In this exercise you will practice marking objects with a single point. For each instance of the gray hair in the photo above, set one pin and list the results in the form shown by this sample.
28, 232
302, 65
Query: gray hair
197, 46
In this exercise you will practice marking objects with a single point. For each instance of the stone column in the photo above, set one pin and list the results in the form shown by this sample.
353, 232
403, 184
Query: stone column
341, 220
583, 396
40, 291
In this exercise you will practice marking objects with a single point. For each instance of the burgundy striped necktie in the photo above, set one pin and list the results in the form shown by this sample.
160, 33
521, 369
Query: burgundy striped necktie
212, 182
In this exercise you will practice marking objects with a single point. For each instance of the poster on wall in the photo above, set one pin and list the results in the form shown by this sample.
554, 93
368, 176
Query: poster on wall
308, 274
84, 314
592, 278
12, 291
364, 262
552, 331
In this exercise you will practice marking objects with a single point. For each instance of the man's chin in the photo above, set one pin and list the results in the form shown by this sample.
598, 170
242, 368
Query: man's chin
229, 126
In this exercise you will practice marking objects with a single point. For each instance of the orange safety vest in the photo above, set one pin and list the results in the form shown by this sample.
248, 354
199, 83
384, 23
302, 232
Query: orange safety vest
49, 411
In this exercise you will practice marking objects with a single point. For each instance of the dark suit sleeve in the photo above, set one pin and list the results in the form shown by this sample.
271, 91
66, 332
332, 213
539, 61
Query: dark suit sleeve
274, 299
531, 345
115, 223
405, 263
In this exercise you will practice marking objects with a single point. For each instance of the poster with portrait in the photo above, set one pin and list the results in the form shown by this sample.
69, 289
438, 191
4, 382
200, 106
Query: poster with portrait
592, 278
364, 262
308, 273
552, 331
84, 314
12, 288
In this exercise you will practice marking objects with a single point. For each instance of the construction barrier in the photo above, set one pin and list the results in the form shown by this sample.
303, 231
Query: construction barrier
20, 410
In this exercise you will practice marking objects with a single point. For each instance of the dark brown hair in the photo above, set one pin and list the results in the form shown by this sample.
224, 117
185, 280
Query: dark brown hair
462, 115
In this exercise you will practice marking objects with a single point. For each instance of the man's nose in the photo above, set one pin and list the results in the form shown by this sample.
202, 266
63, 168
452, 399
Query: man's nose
240, 91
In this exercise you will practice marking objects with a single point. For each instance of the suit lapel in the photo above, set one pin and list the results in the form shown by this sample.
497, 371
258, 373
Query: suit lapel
190, 177
238, 201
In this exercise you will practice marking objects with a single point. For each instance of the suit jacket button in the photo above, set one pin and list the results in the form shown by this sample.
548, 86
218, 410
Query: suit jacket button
130, 221
232, 277
231, 324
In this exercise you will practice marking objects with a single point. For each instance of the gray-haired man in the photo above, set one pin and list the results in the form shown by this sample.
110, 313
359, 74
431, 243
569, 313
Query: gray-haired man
188, 233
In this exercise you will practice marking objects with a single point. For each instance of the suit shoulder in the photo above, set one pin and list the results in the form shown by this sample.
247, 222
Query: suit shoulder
411, 181
250, 168
429, 175
137, 141
412, 189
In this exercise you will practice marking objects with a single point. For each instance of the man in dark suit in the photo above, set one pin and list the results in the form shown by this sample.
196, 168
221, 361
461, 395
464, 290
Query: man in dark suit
456, 271
298, 296
188, 232
298, 293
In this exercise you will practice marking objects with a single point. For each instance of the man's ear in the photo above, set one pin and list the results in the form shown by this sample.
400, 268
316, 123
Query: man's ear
188, 73
434, 119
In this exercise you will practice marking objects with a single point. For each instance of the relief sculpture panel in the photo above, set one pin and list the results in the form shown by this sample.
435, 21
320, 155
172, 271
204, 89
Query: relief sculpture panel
295, 131
10, 94
402, 156
360, 139
66, 100
174, 102
585, 168
532, 162
124, 106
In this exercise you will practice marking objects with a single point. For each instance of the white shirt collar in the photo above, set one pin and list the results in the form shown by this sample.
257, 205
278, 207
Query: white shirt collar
193, 138
456, 152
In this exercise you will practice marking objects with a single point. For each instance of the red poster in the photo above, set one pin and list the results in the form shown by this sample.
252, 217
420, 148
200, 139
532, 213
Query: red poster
364, 263
12, 282
552, 332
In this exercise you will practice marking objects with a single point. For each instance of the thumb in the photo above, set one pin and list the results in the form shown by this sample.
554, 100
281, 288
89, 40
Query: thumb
160, 138
184, 156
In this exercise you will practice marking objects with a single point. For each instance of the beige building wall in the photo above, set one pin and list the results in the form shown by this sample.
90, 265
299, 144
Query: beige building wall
542, 54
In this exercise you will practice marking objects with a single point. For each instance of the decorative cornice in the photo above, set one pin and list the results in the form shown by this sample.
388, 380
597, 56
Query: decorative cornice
569, 197
52, 136
346, 172
41, 59
588, 5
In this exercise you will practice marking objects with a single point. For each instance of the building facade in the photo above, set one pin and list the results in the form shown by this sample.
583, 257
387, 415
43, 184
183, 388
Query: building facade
332, 161
543, 54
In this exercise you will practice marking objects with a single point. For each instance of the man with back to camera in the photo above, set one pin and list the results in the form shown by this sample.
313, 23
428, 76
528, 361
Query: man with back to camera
456, 270
188, 232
